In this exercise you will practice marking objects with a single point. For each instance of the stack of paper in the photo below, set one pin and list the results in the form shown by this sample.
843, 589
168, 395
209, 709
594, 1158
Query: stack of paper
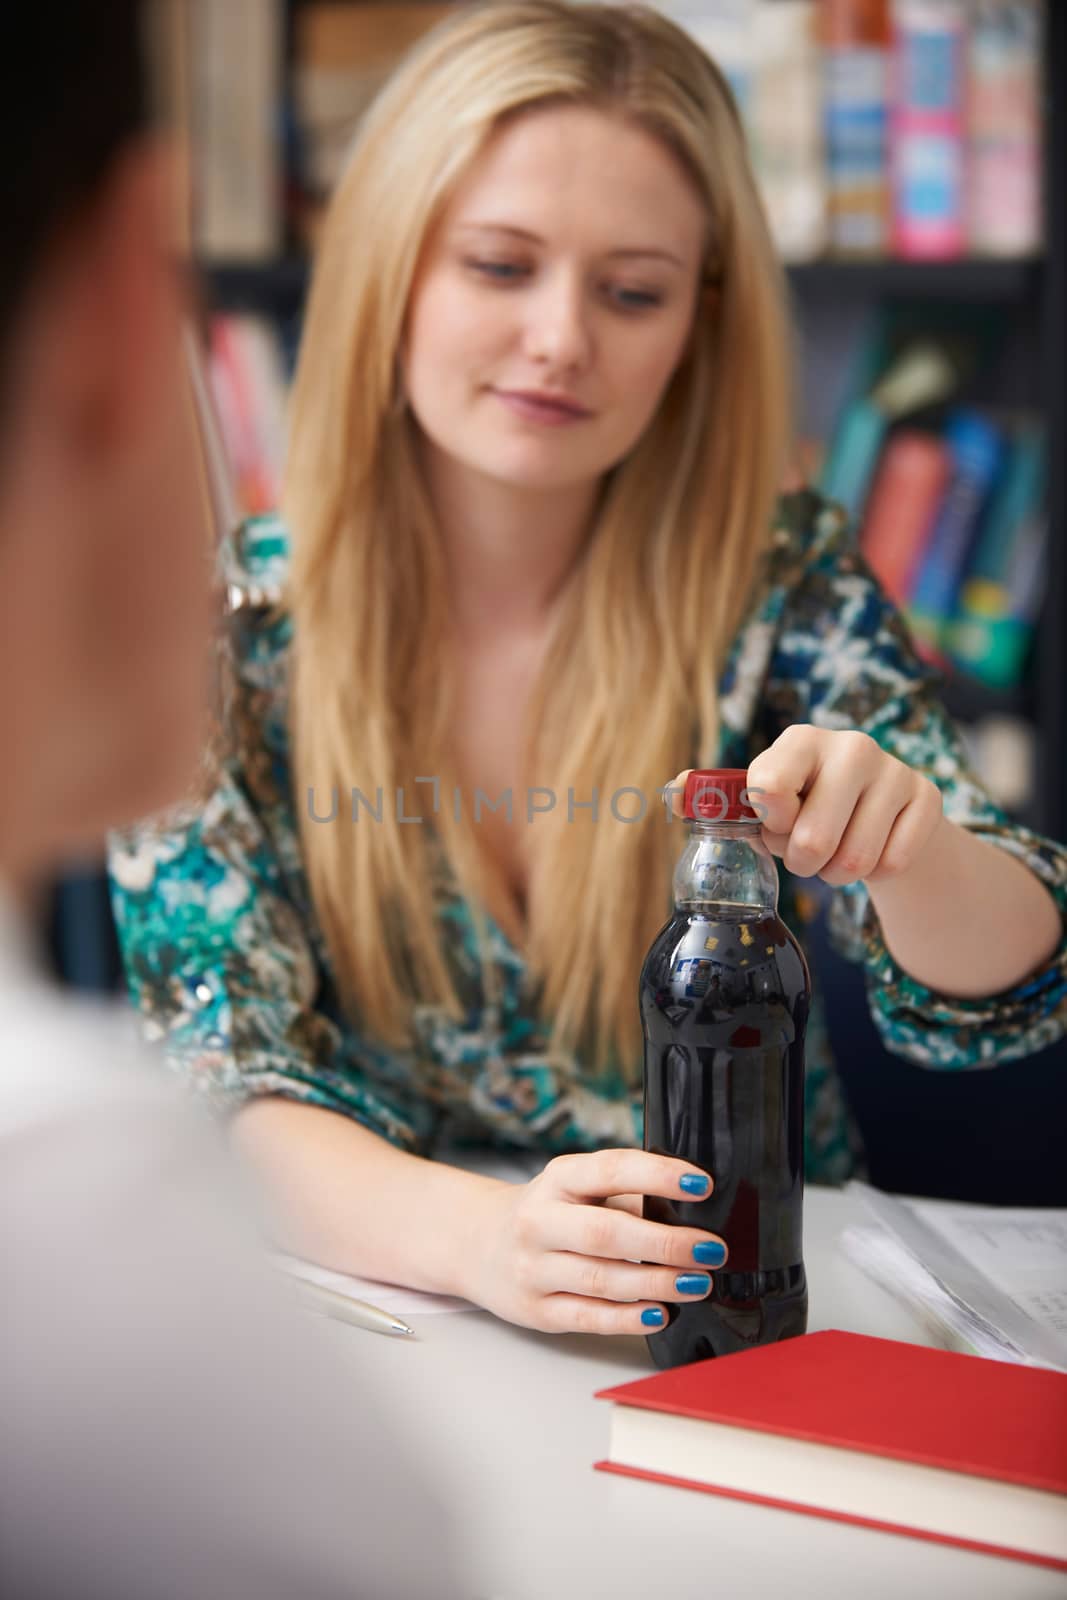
987, 1280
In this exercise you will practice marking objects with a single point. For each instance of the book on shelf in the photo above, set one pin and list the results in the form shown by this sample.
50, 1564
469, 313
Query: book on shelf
785, 124
249, 388
956, 530
975, 446
1004, 111
1000, 596
918, 374
875, 126
908, 488
927, 135
978, 586
947, 498
855, 37
235, 83
927, 1443
222, 508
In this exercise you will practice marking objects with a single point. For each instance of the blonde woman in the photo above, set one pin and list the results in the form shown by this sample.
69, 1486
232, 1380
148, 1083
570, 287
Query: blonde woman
534, 544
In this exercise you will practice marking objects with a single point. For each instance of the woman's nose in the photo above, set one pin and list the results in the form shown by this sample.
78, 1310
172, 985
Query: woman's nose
558, 327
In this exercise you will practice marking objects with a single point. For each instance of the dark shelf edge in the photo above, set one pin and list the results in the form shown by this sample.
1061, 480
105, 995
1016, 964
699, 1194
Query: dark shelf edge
968, 277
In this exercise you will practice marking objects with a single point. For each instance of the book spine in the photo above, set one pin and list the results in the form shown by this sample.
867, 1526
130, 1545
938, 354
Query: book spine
236, 149
230, 390
1016, 498
1004, 128
926, 138
855, 108
908, 489
851, 462
991, 633
976, 449
262, 361
786, 130
220, 494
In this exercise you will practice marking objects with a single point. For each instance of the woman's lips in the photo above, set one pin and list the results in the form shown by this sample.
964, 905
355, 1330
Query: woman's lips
538, 411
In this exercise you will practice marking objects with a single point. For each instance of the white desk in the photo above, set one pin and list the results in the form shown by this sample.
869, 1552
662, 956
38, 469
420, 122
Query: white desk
511, 1433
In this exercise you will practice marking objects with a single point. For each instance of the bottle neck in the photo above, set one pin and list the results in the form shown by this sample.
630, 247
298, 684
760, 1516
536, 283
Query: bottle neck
726, 866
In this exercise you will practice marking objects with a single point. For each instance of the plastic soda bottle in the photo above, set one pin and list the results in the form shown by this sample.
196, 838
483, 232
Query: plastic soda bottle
725, 994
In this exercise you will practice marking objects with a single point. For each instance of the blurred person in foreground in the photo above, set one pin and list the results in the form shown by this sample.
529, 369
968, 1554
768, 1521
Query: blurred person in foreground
172, 1426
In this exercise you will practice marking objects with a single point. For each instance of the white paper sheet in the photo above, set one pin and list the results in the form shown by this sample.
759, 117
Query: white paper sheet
1024, 1251
995, 1277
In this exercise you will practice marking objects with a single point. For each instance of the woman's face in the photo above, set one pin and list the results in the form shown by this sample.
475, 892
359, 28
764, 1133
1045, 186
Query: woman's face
567, 262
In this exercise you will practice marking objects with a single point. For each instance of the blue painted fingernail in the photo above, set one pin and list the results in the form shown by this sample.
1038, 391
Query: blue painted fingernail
692, 1283
694, 1183
710, 1253
653, 1317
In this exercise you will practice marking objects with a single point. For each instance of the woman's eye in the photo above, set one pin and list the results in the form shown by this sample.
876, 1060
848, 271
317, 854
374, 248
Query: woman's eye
499, 270
639, 299
505, 272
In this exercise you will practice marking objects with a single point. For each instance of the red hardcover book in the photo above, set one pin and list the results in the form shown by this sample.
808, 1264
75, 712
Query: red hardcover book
902, 508
895, 1436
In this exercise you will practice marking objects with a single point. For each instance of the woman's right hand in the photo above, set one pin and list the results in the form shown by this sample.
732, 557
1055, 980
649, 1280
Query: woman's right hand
570, 1252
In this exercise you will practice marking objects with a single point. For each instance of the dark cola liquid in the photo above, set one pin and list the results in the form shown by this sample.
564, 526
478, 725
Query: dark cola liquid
724, 1002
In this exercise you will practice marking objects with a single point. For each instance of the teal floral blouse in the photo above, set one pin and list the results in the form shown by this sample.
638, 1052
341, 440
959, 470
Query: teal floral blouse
227, 965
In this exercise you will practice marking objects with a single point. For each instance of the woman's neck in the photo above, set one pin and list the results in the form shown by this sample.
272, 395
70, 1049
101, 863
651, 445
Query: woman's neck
509, 552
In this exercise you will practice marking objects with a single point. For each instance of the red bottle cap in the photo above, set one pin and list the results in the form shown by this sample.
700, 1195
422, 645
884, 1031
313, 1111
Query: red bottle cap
713, 794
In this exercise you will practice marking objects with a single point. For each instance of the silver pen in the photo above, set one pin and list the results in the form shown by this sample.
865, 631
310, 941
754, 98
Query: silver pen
344, 1309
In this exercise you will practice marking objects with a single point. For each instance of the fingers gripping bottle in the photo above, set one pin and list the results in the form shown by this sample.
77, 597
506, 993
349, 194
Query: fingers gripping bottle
725, 994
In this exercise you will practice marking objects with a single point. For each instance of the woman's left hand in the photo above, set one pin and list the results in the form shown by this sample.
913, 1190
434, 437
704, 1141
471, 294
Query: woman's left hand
836, 805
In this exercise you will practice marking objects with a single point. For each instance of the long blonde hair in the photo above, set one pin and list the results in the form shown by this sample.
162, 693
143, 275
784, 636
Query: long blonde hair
627, 692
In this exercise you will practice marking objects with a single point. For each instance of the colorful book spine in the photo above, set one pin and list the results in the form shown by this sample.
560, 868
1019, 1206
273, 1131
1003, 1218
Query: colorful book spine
248, 389
907, 492
855, 36
1018, 494
1004, 127
1001, 595
976, 447
786, 127
927, 129
853, 456
236, 79
886, 388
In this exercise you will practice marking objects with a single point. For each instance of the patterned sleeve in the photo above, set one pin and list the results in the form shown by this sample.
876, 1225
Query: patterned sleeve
844, 658
219, 962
